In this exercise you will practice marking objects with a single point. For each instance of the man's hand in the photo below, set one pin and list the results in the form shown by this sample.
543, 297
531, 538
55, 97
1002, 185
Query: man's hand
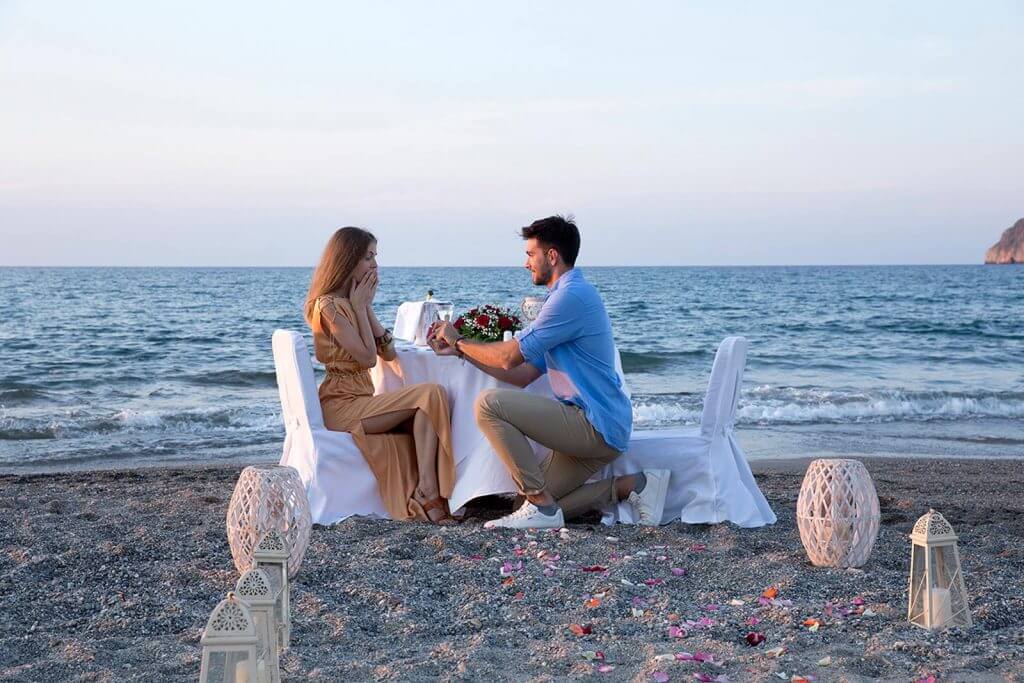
444, 331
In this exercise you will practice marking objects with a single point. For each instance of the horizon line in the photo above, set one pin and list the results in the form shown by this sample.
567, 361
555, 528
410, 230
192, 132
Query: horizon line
662, 265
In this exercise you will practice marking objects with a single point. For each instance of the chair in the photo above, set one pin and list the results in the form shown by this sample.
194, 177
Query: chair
711, 481
338, 481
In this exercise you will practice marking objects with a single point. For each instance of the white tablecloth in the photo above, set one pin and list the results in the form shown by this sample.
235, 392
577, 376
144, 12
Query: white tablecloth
479, 470
414, 318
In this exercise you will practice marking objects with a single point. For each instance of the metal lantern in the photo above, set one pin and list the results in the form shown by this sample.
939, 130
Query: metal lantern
271, 555
229, 644
937, 595
254, 588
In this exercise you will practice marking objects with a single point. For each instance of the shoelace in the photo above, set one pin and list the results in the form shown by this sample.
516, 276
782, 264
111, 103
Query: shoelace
635, 501
525, 511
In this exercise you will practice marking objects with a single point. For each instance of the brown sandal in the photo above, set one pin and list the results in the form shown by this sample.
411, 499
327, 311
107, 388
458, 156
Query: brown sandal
436, 504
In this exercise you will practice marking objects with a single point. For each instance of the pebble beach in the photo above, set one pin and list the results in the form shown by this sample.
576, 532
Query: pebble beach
111, 575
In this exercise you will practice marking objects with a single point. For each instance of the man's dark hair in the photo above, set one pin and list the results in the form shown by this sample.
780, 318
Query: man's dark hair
559, 233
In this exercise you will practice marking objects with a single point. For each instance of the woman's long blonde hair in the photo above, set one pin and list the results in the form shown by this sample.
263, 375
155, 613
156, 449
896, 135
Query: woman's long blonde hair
341, 256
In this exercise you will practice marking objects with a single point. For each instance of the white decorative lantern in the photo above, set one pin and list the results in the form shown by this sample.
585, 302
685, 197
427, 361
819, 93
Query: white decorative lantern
255, 590
837, 513
937, 596
229, 644
268, 497
271, 555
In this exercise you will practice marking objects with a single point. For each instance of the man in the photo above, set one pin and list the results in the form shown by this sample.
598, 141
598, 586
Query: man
589, 424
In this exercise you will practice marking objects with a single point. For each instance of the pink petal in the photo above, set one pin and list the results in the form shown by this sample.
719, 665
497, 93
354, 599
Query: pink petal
678, 571
660, 677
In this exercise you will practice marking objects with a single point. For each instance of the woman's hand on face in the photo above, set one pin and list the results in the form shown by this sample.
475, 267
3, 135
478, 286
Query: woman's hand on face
373, 284
361, 294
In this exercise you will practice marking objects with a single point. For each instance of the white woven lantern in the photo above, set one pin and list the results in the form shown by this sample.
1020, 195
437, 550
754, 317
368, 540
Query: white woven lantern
937, 597
837, 513
271, 555
255, 590
230, 644
268, 497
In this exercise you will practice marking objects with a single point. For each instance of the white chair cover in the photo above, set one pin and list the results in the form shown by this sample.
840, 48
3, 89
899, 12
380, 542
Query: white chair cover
338, 481
711, 481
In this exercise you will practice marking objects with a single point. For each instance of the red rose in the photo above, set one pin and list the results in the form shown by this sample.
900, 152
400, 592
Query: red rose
483, 320
459, 323
504, 323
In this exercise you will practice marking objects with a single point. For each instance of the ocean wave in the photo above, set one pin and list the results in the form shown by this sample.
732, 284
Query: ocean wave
195, 422
233, 378
775, 406
635, 362
20, 394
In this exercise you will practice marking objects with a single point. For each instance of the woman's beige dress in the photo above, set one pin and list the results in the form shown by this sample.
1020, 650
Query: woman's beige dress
346, 396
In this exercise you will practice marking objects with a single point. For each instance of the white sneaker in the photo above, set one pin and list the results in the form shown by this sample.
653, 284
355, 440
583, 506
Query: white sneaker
649, 504
528, 517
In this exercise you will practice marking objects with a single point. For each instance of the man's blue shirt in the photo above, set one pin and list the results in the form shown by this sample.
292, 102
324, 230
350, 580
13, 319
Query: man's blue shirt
571, 340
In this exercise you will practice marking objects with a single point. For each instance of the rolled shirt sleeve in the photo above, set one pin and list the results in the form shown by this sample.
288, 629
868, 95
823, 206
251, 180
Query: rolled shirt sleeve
559, 322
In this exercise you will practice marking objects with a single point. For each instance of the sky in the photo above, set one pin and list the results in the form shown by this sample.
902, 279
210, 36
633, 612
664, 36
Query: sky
677, 133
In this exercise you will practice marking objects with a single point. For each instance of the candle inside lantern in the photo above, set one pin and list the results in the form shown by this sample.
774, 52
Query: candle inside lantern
242, 672
942, 611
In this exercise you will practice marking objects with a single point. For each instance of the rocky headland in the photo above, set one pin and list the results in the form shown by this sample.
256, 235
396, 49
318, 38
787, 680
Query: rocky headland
1010, 247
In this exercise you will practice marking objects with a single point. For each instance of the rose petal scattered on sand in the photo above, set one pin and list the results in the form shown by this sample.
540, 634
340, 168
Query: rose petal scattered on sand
664, 658
812, 624
753, 621
580, 630
754, 638
775, 652
857, 601
612, 539
711, 608
770, 593
825, 661
676, 632
592, 603
605, 668
660, 677
736, 603
594, 568
698, 547
592, 655
678, 571
654, 582
637, 612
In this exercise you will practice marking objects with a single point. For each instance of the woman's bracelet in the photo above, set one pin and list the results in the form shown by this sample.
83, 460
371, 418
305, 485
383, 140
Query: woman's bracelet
384, 340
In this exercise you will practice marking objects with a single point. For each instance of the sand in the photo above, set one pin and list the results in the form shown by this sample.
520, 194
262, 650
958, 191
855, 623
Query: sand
111, 575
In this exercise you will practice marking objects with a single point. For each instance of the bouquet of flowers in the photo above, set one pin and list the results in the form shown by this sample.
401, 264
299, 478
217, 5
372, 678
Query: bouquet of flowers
487, 323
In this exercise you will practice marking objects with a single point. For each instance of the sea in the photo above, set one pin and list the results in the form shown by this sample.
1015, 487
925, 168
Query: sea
133, 367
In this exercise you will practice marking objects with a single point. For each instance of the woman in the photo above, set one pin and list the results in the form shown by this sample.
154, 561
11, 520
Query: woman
405, 435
